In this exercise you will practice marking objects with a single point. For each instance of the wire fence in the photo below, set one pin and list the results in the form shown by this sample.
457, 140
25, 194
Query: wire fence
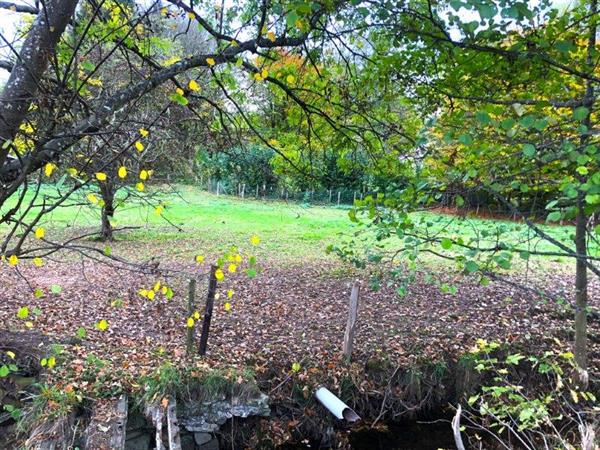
339, 196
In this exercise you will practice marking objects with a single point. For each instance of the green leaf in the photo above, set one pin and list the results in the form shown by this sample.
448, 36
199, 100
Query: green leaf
483, 117
56, 289
180, 99
554, 216
471, 266
529, 150
580, 113
582, 170
81, 333
23, 312
446, 244
4, 371
251, 273
88, 65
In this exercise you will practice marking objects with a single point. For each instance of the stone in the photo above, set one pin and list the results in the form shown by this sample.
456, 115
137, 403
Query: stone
213, 444
207, 417
202, 438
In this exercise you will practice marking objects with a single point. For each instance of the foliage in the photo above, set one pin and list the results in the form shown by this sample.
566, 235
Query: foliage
543, 411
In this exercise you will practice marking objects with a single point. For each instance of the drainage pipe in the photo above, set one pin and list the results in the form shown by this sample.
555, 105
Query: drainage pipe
337, 407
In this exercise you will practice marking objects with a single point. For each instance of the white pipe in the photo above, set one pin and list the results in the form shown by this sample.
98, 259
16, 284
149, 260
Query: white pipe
337, 407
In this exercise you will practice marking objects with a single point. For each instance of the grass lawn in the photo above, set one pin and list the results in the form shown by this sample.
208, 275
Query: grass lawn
288, 230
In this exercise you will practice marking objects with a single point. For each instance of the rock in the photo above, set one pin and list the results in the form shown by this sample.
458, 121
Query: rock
138, 440
213, 444
207, 417
202, 438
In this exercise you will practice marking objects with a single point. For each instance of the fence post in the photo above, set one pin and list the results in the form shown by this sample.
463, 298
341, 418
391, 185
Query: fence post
210, 301
243, 189
338, 198
351, 324
191, 300
218, 187
329, 195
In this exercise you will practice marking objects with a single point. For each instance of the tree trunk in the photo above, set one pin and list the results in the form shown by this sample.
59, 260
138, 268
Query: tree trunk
108, 210
23, 83
581, 296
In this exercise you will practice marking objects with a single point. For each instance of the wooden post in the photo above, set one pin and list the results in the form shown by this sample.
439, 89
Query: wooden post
339, 193
257, 191
210, 300
351, 325
218, 186
191, 305
243, 189
354, 199
329, 195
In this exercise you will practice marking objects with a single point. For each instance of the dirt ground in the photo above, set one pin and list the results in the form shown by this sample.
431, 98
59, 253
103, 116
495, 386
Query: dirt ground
282, 316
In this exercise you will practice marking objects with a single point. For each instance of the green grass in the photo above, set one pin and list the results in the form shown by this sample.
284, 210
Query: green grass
204, 222
211, 221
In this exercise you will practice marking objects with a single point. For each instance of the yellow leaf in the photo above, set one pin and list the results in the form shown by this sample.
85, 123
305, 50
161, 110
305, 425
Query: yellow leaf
196, 315
210, 61
234, 43
144, 175
143, 292
193, 86
271, 36
92, 198
190, 322
101, 176
291, 79
263, 30
164, 290
37, 261
72, 171
238, 258
156, 286
13, 260
139, 186
199, 259
150, 295
574, 396
29, 324
227, 306
296, 367
158, 210
230, 293
139, 146
102, 325
255, 240
219, 275
164, 10
122, 172
179, 91
264, 74
49, 168
10, 354
232, 268
40, 233
51, 362
191, 15
144, 132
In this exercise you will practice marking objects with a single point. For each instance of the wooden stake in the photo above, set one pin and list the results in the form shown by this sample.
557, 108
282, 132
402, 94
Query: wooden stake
351, 325
338, 202
190, 310
210, 300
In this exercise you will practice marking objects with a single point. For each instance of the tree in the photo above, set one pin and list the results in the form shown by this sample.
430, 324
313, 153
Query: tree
510, 103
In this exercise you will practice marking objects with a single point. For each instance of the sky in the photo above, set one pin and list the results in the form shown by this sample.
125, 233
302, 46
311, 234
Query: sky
9, 22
